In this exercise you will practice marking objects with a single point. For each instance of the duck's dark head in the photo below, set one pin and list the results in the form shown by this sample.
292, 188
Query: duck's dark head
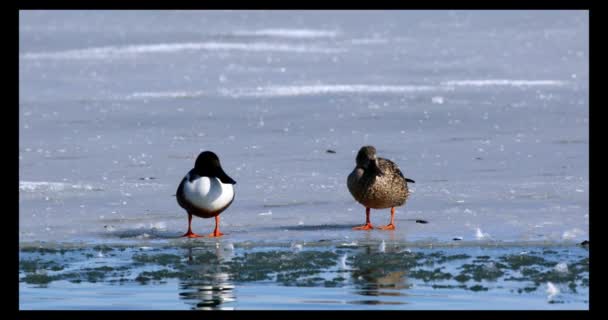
208, 165
367, 159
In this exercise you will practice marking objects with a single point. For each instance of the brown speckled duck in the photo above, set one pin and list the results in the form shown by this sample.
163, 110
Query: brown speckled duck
377, 183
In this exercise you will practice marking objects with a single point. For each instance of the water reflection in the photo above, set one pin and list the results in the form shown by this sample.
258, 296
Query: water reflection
370, 281
205, 286
377, 272
372, 276
207, 295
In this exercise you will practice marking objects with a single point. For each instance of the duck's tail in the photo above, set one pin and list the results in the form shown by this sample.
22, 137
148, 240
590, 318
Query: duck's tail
410, 180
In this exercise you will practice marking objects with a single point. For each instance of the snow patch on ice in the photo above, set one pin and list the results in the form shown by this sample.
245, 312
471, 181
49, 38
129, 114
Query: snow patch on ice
289, 33
45, 186
135, 50
369, 41
308, 90
165, 94
503, 82
161, 225
437, 100
572, 234
479, 235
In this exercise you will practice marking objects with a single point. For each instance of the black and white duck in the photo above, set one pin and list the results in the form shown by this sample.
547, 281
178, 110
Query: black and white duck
205, 192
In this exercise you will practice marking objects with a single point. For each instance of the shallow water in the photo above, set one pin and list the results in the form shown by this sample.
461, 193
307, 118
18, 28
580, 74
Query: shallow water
486, 110
321, 275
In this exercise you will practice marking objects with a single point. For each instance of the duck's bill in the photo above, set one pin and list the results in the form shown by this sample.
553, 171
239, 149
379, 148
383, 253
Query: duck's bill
410, 180
373, 166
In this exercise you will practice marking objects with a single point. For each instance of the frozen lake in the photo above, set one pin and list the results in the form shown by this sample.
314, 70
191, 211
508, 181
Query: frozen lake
486, 110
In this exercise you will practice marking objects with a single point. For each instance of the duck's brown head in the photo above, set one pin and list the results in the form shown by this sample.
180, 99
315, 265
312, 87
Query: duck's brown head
367, 160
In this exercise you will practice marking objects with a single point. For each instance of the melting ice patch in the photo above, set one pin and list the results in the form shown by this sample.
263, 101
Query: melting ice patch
161, 225
343, 265
561, 267
306, 90
134, 50
296, 247
382, 247
289, 33
552, 290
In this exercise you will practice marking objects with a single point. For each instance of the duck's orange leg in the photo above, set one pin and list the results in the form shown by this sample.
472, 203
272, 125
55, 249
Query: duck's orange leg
368, 224
216, 231
391, 225
189, 233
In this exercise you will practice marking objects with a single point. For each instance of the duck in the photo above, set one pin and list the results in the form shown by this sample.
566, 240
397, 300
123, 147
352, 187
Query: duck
377, 183
205, 191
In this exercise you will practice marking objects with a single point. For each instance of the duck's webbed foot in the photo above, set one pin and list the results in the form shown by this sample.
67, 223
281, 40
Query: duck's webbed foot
391, 225
367, 226
368, 223
191, 234
216, 232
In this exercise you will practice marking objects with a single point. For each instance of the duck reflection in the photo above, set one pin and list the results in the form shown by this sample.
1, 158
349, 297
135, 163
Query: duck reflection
380, 273
207, 286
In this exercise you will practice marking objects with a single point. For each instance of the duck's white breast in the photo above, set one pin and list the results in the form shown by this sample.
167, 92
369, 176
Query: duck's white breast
207, 193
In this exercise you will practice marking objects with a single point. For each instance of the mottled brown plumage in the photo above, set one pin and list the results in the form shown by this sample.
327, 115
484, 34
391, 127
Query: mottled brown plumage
377, 183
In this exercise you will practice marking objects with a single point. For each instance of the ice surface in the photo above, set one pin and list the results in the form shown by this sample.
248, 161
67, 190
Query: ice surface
486, 111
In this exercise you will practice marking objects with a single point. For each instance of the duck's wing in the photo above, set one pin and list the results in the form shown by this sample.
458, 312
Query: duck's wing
389, 167
179, 194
